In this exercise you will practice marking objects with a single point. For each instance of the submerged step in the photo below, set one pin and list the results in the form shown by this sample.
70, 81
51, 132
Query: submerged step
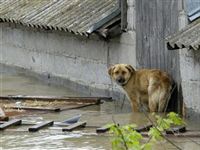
10, 123
74, 126
40, 125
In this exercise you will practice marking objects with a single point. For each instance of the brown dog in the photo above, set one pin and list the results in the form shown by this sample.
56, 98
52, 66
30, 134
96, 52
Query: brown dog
150, 87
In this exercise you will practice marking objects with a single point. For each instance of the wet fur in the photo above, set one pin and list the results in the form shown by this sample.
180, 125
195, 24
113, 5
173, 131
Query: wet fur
150, 87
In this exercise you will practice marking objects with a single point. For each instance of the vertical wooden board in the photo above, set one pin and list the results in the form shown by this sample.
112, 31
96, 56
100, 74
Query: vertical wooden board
172, 57
155, 20
170, 10
159, 38
142, 35
139, 34
153, 35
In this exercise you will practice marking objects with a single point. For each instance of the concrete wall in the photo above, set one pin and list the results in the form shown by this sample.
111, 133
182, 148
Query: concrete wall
75, 61
190, 74
190, 71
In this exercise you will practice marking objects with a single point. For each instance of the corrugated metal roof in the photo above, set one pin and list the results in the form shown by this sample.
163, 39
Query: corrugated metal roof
189, 37
193, 9
76, 16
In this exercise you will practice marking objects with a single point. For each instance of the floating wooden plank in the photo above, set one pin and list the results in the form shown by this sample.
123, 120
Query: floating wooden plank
102, 129
144, 128
178, 129
139, 129
33, 123
74, 126
77, 106
40, 125
10, 123
36, 108
191, 134
74, 99
65, 123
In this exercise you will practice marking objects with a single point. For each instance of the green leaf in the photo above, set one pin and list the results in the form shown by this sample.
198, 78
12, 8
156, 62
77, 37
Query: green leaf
155, 134
126, 135
147, 146
175, 118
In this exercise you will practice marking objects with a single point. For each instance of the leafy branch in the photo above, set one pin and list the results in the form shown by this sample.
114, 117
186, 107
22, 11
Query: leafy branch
127, 138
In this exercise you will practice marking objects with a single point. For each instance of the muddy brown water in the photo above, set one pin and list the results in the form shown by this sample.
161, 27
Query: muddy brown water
17, 138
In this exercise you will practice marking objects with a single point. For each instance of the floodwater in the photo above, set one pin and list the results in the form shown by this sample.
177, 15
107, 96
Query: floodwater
17, 138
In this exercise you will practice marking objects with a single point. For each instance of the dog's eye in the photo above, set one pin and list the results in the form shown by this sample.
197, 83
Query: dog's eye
123, 72
117, 72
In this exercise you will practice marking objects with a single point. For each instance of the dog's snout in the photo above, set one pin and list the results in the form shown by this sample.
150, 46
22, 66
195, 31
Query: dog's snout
121, 80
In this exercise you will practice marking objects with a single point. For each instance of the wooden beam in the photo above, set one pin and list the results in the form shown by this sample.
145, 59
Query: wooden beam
37, 108
144, 128
139, 129
178, 129
52, 97
40, 126
74, 126
192, 134
102, 129
96, 100
32, 123
76, 107
10, 123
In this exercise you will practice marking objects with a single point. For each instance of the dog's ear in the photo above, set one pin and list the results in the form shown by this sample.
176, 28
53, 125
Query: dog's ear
130, 68
110, 70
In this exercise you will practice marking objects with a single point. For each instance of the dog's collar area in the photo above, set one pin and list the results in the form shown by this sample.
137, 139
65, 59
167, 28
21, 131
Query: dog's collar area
121, 84
124, 84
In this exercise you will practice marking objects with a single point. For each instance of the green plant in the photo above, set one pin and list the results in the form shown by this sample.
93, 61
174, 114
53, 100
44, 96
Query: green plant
127, 138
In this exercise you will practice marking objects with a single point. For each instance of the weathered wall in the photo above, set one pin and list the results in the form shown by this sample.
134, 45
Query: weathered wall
189, 70
155, 20
74, 61
190, 74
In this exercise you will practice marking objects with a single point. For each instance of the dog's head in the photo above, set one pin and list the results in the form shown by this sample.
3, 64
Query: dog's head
121, 73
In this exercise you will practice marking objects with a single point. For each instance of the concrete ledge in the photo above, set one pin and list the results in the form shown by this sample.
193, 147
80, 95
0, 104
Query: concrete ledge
191, 114
48, 78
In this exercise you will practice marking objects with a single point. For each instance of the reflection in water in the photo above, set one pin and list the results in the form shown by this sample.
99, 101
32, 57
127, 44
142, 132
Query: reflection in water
16, 83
